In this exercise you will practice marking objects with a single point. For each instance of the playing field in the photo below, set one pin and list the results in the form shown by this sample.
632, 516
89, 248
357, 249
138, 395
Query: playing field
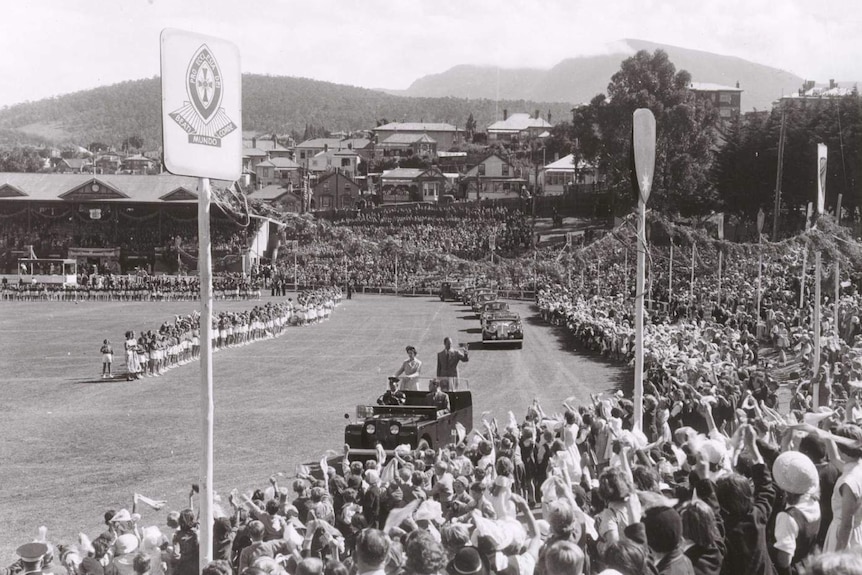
73, 445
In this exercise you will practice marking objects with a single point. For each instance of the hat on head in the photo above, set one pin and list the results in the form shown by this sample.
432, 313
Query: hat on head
126, 543
663, 528
467, 561
31, 556
371, 476
463, 480
393, 379
794, 472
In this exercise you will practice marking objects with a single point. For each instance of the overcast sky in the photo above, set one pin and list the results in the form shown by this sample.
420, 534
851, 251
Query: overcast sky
52, 47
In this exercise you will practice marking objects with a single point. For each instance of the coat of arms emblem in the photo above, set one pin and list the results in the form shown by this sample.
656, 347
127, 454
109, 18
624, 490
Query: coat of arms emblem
202, 116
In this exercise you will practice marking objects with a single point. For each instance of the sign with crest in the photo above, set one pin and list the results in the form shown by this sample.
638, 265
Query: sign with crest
201, 105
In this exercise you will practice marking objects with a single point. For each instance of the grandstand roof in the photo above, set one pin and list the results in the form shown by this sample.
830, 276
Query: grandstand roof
100, 188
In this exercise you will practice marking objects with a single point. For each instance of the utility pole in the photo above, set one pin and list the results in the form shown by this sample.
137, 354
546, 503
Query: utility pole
777, 208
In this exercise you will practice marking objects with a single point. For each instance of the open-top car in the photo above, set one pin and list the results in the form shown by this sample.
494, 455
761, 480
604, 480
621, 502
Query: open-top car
492, 307
503, 328
415, 421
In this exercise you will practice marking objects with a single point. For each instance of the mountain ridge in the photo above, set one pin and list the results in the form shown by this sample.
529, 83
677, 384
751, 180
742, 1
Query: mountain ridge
578, 79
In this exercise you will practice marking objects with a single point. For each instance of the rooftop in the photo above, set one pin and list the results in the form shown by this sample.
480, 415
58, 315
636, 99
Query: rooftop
408, 138
518, 123
709, 87
416, 127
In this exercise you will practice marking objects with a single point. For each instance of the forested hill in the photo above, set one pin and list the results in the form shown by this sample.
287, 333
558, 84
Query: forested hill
271, 104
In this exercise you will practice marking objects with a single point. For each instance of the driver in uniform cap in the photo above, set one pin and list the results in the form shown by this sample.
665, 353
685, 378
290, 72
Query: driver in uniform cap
31, 556
393, 395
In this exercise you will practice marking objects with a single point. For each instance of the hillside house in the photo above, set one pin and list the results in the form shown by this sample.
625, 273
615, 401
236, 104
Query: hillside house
137, 164
517, 127
726, 99
563, 175
407, 145
282, 197
280, 171
411, 185
445, 135
335, 191
493, 177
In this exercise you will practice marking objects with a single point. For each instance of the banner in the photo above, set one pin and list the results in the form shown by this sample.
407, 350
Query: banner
821, 178
94, 252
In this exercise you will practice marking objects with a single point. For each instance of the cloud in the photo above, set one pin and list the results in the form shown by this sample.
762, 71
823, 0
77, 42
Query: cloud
52, 47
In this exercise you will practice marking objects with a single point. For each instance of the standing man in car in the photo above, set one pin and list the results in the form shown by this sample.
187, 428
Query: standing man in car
447, 363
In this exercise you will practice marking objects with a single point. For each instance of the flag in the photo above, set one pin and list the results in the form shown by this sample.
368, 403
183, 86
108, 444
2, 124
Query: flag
821, 179
387, 474
156, 504
324, 469
460, 431
398, 515
381, 454
302, 469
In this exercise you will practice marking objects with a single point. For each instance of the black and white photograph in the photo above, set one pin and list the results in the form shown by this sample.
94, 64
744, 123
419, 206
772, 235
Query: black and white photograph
424, 287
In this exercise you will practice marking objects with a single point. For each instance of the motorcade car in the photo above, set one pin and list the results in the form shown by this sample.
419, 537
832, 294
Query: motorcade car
414, 422
451, 290
492, 307
503, 327
481, 298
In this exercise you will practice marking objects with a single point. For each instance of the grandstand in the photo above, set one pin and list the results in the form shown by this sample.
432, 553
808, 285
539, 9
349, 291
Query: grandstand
120, 223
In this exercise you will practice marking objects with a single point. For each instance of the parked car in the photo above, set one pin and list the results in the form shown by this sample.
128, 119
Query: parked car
503, 328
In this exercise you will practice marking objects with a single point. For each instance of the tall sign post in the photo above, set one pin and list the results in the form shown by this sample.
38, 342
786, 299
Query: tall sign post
761, 217
836, 329
720, 223
821, 201
643, 147
202, 137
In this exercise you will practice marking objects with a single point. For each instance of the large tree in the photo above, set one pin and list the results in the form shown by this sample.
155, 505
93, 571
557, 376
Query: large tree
685, 135
746, 166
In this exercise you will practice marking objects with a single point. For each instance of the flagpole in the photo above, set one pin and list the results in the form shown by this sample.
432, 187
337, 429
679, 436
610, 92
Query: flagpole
761, 217
821, 197
837, 273
691, 282
207, 403
670, 278
804, 259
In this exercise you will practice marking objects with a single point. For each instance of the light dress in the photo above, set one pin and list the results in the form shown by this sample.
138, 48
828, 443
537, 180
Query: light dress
852, 478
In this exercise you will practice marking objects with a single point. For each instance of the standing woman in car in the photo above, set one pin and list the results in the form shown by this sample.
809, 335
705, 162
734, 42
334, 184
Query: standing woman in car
409, 370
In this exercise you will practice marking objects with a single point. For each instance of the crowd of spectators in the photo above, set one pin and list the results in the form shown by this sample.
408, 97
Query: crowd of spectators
725, 492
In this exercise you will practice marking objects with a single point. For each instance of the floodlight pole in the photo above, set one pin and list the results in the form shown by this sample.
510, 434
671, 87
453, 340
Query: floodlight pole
804, 259
207, 404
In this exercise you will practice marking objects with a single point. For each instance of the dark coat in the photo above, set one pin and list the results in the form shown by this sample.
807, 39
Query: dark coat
747, 550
